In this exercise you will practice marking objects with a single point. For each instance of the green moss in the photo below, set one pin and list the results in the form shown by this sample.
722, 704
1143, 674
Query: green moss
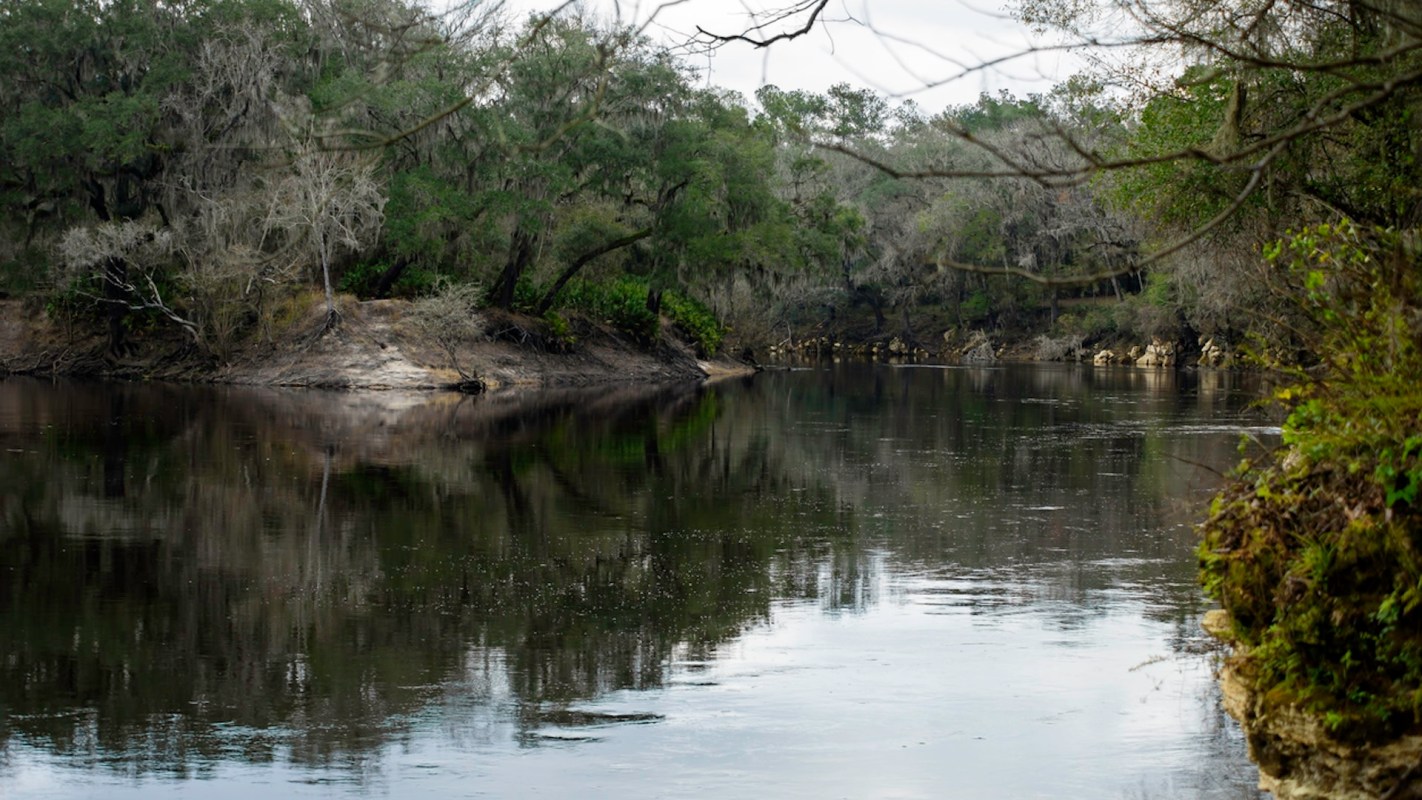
1318, 555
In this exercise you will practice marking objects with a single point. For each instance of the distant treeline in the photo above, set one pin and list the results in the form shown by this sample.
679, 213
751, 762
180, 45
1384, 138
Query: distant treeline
199, 164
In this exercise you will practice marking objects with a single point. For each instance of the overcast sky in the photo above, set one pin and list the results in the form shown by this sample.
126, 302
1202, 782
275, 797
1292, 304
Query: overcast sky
899, 47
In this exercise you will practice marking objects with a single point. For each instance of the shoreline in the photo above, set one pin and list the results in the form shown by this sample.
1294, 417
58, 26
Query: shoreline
1299, 758
372, 348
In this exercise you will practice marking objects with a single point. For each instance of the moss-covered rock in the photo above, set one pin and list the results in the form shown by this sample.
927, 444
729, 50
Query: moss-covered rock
1316, 553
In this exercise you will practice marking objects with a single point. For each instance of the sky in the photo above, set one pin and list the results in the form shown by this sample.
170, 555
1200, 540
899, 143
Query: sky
905, 49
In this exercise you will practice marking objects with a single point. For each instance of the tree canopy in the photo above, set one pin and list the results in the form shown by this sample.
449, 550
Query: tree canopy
180, 151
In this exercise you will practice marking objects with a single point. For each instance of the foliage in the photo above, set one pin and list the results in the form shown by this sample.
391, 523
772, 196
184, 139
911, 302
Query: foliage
362, 278
22, 274
1318, 555
1092, 324
1177, 193
274, 145
621, 303
976, 308
696, 320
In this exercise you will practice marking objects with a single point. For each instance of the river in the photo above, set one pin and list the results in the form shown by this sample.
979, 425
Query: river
859, 582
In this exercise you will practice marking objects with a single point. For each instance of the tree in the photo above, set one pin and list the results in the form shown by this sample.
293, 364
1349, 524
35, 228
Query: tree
131, 116
1302, 78
329, 202
82, 104
127, 259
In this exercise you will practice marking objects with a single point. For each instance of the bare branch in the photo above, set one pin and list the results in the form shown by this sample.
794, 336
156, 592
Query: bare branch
814, 7
1136, 265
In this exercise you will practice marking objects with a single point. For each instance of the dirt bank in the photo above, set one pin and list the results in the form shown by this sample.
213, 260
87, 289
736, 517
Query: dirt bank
374, 346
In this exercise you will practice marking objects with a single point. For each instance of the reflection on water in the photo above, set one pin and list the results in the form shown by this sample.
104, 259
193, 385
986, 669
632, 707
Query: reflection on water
852, 582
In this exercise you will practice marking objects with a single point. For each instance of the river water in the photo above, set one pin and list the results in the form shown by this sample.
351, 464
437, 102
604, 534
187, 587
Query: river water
859, 582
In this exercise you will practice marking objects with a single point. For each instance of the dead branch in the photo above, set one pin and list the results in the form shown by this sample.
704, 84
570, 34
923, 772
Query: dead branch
814, 7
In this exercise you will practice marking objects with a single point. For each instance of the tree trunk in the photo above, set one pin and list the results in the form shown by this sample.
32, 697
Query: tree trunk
115, 276
520, 256
616, 244
388, 278
326, 280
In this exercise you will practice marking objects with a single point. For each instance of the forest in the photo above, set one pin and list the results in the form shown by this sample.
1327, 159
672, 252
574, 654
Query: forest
1248, 171
199, 166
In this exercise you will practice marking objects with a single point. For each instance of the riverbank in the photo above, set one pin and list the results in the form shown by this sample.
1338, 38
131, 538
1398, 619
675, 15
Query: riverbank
1299, 758
376, 344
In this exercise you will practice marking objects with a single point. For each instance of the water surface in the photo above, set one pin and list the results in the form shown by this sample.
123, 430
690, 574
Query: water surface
851, 582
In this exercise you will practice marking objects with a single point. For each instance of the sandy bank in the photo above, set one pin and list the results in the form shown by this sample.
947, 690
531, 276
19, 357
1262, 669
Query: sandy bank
374, 346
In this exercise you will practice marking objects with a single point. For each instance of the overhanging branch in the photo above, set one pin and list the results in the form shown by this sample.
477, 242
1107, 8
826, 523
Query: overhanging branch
815, 7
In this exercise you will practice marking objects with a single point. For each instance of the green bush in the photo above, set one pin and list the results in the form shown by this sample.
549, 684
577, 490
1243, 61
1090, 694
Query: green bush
976, 308
24, 275
1098, 323
559, 330
1317, 555
696, 320
527, 295
362, 278
621, 303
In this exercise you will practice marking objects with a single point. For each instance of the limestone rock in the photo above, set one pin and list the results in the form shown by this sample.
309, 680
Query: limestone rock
1213, 354
1103, 358
979, 350
1297, 756
1157, 354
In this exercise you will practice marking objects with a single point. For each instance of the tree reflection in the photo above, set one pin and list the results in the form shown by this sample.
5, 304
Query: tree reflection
305, 568
193, 575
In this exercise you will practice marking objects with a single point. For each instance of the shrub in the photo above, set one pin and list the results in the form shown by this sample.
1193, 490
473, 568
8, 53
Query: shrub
25, 274
696, 320
976, 308
1317, 556
621, 303
362, 279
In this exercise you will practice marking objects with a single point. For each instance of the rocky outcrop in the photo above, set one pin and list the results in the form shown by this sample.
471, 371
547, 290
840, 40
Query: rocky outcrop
1213, 354
1297, 756
979, 350
1158, 353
